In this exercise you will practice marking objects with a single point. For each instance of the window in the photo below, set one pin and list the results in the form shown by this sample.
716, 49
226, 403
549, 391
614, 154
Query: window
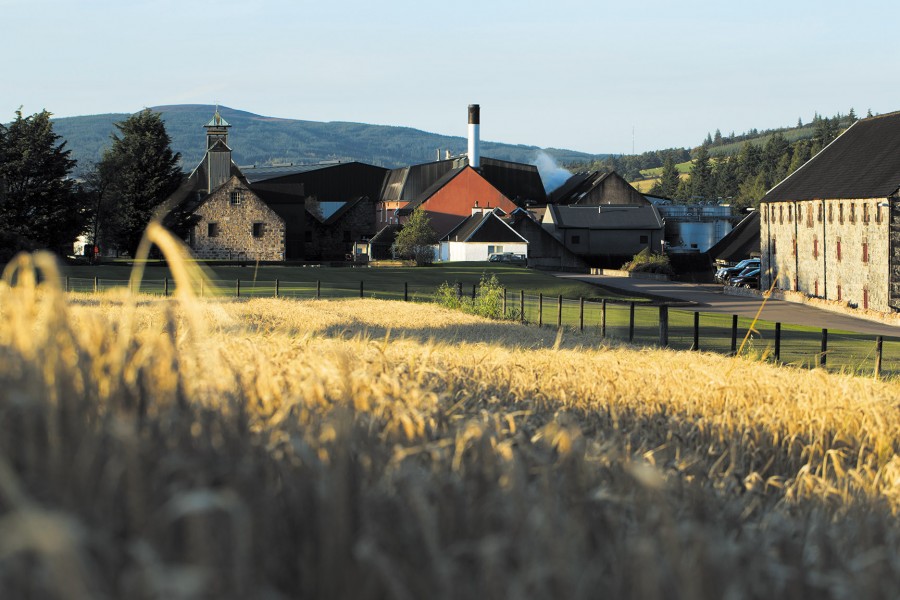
765, 214
865, 251
781, 214
259, 229
831, 213
794, 245
774, 250
644, 239
839, 249
852, 212
790, 214
865, 212
841, 213
237, 197
576, 239
494, 250
815, 247
878, 212
839, 292
865, 298
809, 215
816, 288
212, 230
819, 211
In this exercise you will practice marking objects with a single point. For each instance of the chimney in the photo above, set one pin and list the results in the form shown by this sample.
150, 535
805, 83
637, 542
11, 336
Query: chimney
476, 210
474, 136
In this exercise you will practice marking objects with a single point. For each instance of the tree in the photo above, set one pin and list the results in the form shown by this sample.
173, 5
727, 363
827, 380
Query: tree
37, 206
144, 173
416, 240
670, 178
702, 184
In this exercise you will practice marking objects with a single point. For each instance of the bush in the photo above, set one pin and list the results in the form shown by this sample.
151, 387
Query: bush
488, 301
649, 262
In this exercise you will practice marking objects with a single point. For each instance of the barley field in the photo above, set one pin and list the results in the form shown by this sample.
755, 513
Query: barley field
270, 448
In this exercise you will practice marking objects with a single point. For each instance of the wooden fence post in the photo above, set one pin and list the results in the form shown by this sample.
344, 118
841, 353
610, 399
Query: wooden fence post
734, 324
777, 342
96, 285
504, 303
237, 288
603, 318
581, 313
879, 344
277, 288
360, 288
165, 286
663, 325
474, 287
822, 357
631, 323
696, 346
406, 291
459, 289
559, 311
318, 289
541, 309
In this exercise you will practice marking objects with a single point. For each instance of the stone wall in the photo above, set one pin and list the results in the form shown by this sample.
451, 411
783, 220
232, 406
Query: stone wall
234, 239
831, 249
334, 240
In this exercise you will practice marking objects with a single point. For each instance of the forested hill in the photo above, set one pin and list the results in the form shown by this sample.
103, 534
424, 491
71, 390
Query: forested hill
259, 140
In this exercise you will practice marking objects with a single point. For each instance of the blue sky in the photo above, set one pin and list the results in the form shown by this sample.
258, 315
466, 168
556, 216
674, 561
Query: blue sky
566, 74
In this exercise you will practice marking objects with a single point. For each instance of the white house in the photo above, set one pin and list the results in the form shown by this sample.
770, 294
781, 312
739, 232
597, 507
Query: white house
480, 235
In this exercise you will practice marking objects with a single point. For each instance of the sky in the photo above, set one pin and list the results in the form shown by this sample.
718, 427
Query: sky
599, 77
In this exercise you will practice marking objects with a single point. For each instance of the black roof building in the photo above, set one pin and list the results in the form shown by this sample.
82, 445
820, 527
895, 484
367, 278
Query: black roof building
862, 162
597, 188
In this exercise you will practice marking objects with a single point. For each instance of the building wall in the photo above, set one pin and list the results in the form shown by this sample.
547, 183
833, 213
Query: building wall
334, 241
817, 247
471, 251
235, 224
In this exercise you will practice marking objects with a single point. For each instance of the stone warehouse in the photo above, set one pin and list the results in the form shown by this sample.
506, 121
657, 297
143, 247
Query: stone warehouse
832, 228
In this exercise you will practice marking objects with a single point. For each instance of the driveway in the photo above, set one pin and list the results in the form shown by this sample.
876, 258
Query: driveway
710, 298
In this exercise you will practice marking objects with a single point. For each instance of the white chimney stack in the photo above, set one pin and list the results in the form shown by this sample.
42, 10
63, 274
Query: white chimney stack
474, 136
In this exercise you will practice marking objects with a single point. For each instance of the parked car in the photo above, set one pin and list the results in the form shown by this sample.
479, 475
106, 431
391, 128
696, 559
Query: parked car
508, 257
747, 279
724, 274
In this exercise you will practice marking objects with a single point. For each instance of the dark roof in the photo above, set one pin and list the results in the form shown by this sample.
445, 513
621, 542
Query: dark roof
430, 191
386, 235
606, 217
740, 242
519, 182
862, 162
596, 188
255, 174
483, 227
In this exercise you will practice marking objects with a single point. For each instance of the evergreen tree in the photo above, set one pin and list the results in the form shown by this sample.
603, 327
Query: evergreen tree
801, 154
749, 161
670, 178
869, 113
852, 116
776, 148
144, 173
726, 176
751, 192
717, 139
702, 184
38, 208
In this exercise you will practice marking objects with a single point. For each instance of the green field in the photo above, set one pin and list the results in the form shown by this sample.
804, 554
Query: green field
335, 282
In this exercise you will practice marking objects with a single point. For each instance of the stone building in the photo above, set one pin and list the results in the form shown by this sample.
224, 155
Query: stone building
826, 230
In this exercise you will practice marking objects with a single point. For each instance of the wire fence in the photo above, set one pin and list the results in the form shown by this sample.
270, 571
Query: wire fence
639, 323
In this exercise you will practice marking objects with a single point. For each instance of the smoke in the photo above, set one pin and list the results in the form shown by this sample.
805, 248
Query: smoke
551, 173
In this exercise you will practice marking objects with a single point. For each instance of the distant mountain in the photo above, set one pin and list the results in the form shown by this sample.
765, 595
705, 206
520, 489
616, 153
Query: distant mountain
259, 140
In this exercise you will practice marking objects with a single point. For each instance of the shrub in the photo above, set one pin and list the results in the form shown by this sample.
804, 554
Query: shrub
649, 262
488, 301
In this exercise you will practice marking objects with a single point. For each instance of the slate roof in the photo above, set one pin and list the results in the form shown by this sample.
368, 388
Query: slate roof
606, 217
483, 227
430, 191
255, 174
863, 162
739, 243
597, 187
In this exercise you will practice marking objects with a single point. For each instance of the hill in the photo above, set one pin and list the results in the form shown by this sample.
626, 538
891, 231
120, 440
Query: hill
258, 139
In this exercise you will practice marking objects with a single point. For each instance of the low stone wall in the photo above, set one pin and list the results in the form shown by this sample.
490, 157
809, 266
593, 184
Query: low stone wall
829, 305
631, 274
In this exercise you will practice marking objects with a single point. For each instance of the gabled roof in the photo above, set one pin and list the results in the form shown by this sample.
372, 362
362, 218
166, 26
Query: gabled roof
597, 188
483, 227
386, 235
740, 242
606, 217
862, 162
431, 191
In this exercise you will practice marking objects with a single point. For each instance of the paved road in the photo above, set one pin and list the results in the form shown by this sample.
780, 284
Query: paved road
711, 298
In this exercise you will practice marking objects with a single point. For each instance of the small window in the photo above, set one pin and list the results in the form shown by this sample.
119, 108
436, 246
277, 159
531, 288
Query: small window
809, 217
644, 239
865, 212
212, 230
576, 239
780, 214
819, 213
839, 293
774, 246
790, 214
815, 247
878, 212
831, 213
865, 298
259, 230
765, 214
841, 213
794, 246
839, 249
237, 197
865, 251
816, 289
852, 212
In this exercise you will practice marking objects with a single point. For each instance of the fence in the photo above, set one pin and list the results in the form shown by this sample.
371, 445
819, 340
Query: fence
639, 323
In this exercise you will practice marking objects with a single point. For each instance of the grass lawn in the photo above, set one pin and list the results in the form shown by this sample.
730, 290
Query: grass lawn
381, 282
